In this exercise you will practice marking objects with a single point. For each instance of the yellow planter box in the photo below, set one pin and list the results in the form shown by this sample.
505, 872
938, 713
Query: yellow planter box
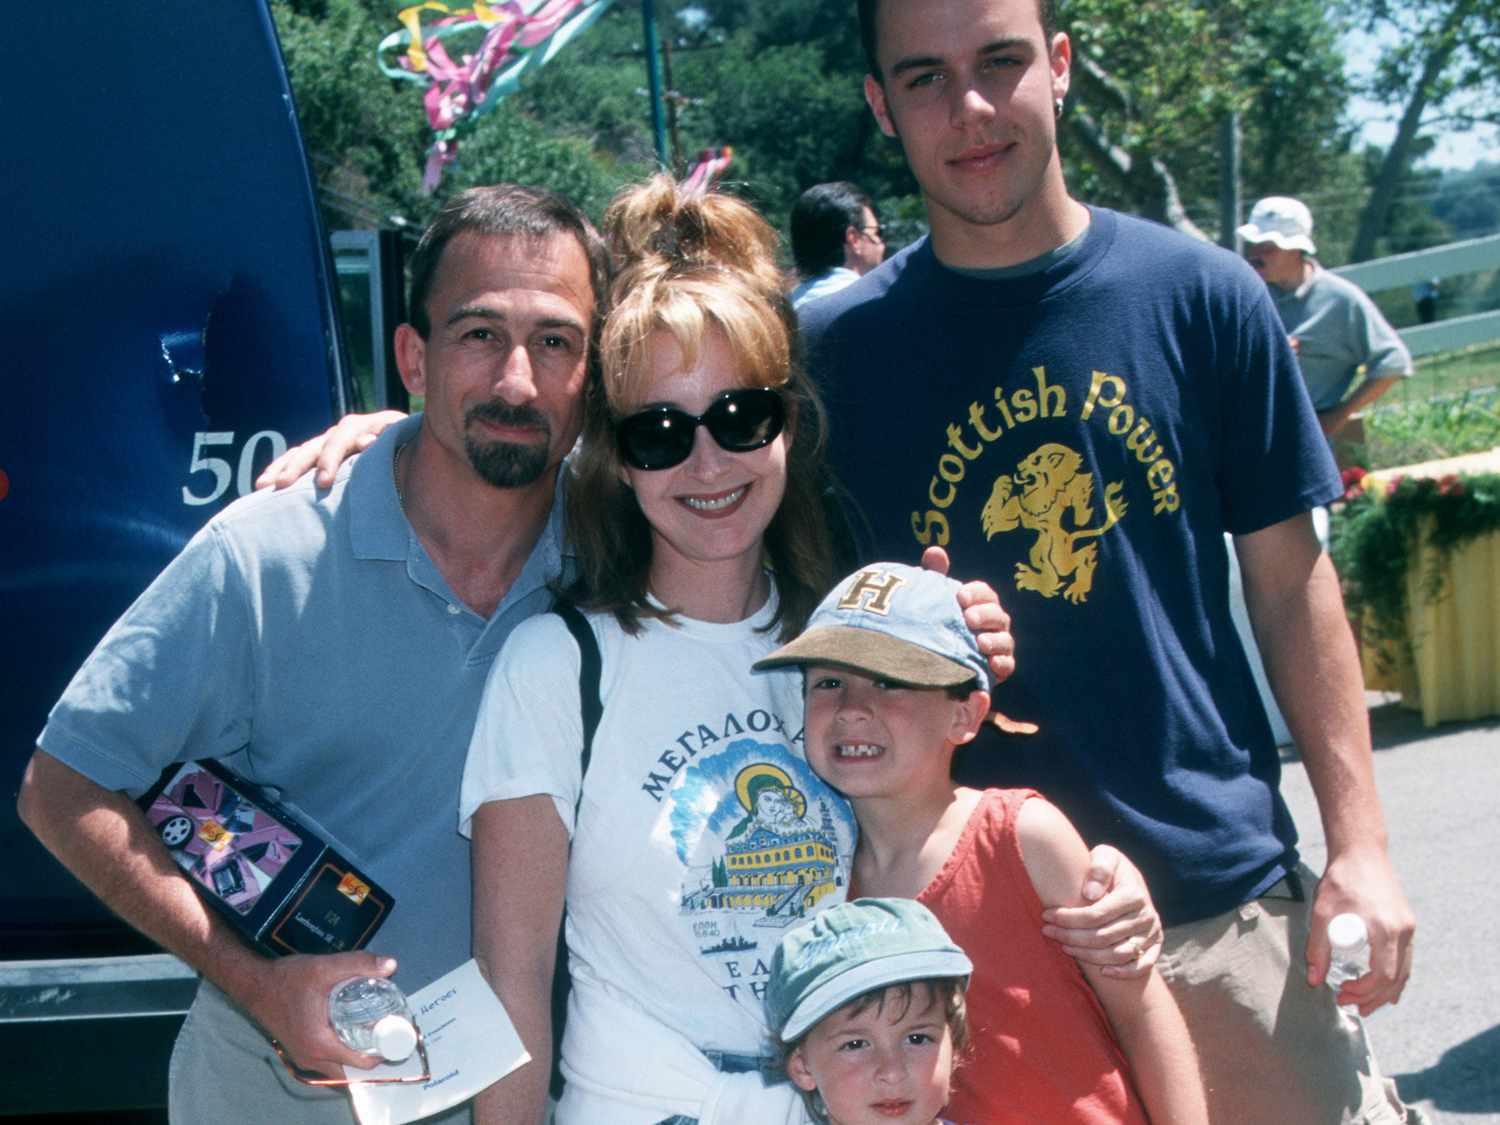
1450, 669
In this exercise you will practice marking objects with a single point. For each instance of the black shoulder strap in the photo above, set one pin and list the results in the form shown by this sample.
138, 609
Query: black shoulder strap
589, 672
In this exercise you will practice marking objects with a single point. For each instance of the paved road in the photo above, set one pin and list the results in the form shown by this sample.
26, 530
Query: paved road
1441, 792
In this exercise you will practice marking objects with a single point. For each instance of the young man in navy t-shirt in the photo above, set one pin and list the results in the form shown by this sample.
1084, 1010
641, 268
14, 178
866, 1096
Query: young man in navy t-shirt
1078, 405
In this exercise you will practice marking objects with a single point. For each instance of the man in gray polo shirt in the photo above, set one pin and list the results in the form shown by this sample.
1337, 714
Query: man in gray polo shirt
1335, 328
333, 644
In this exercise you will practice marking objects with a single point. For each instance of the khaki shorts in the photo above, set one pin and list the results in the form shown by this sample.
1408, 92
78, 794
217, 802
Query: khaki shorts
1271, 1049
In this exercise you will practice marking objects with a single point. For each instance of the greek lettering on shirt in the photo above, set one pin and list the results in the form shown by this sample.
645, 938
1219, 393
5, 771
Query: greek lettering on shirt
690, 743
739, 979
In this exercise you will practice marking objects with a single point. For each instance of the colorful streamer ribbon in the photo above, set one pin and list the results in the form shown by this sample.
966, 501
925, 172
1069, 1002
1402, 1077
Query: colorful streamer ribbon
705, 173
514, 38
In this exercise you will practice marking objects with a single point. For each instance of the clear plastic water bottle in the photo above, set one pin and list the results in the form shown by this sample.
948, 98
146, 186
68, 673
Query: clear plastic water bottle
370, 1015
1349, 943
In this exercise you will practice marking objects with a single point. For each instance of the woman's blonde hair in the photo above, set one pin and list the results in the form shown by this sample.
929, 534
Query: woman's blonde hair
691, 264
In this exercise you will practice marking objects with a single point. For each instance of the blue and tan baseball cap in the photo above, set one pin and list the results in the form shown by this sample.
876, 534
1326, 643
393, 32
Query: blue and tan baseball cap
892, 621
851, 949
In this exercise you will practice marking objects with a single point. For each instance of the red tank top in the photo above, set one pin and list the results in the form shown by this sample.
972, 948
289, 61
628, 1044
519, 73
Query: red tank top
1040, 1046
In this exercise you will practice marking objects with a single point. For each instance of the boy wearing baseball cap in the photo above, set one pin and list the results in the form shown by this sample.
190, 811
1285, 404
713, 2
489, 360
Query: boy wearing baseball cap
868, 1001
894, 683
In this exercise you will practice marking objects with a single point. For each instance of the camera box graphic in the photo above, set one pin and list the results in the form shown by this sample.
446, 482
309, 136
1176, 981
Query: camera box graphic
279, 884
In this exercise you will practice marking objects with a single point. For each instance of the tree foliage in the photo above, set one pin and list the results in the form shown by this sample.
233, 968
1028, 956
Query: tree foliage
1439, 67
516, 147
1468, 203
1154, 84
367, 135
1293, 99
780, 81
364, 135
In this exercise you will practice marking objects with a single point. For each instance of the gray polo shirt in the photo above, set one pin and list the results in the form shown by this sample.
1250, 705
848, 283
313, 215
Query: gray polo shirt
307, 639
1338, 330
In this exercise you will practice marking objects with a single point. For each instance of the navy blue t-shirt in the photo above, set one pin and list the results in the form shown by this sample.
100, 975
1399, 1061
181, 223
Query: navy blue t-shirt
1082, 437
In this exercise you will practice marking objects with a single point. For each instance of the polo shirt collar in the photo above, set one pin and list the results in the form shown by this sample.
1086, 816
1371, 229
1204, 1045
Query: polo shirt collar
379, 528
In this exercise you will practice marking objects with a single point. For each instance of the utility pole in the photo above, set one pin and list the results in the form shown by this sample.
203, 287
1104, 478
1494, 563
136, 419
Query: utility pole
672, 98
1229, 181
653, 76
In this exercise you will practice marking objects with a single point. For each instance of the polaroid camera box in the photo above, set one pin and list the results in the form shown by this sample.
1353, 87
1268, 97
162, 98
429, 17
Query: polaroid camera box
276, 881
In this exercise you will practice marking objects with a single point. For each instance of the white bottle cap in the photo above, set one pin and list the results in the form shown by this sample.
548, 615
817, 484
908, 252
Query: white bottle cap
395, 1037
1347, 932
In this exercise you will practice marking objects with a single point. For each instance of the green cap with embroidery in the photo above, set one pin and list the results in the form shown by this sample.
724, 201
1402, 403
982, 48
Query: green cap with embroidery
851, 949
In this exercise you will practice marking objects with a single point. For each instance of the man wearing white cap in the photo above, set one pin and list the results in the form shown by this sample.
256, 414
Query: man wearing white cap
1335, 328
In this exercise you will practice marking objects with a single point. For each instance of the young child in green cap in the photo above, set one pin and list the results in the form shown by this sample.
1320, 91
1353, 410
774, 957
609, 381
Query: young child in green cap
868, 1001
894, 682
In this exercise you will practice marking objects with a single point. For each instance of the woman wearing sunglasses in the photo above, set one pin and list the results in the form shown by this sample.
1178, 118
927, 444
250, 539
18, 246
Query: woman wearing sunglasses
698, 833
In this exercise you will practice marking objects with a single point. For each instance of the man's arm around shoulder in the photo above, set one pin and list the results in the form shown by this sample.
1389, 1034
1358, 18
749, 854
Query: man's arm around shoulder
104, 839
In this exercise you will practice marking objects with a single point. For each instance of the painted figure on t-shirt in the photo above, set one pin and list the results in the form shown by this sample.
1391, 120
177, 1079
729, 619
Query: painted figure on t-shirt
763, 841
1052, 489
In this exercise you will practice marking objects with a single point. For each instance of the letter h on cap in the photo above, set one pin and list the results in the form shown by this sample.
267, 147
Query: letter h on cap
868, 593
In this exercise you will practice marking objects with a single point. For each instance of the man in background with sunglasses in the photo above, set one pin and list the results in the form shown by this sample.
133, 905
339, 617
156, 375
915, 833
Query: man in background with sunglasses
332, 644
1078, 405
836, 239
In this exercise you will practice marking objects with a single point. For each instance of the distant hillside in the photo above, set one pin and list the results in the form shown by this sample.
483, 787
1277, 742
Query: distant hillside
1468, 202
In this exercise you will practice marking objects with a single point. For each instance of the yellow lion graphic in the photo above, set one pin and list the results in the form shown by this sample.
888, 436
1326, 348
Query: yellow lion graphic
1051, 486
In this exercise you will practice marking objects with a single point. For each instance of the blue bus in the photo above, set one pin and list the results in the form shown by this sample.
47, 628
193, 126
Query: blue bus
168, 304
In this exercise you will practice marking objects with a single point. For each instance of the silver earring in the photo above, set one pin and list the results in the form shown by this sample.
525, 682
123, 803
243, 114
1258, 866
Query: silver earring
1057, 107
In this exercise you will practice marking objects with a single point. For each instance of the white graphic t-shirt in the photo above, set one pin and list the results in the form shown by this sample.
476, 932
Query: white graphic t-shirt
702, 835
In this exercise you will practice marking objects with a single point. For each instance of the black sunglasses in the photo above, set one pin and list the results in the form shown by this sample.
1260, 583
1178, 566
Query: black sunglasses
660, 437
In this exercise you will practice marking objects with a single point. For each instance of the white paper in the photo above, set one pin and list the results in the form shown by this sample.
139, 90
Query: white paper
471, 1044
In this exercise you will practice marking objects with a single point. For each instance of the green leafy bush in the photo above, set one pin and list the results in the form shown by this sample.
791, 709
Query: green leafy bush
1376, 532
